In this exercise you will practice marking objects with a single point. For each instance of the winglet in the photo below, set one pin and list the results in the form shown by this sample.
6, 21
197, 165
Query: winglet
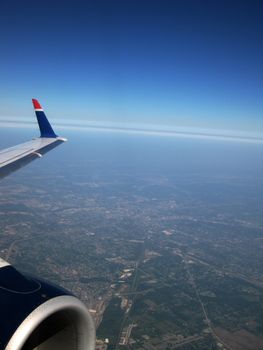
44, 125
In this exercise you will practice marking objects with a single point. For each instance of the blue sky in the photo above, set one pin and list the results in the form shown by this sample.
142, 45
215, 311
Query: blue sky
174, 63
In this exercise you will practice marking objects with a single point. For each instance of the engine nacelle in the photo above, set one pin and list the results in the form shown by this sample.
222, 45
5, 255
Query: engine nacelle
35, 314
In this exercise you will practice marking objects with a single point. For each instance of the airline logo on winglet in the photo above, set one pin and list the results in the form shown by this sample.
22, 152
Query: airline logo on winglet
37, 105
44, 125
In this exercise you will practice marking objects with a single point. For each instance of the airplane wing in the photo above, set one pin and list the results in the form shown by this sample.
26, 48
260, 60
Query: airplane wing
13, 158
36, 314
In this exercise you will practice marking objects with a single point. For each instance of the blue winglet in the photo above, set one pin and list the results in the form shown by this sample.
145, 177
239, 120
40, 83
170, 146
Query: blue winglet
43, 123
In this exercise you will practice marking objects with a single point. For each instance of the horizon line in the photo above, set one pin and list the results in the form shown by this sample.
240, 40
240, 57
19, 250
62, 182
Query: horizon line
193, 132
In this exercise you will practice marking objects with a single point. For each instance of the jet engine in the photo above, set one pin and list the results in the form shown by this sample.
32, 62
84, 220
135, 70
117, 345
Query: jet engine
35, 314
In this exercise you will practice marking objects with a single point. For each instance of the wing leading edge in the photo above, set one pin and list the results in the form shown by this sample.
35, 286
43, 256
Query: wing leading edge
13, 158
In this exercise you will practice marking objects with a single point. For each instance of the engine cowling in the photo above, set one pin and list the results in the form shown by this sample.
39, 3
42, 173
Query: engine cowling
36, 314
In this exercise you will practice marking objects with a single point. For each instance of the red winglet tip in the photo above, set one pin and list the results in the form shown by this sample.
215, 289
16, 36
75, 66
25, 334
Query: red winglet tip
36, 104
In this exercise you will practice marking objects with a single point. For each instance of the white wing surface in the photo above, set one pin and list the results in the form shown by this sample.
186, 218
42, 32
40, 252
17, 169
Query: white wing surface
13, 158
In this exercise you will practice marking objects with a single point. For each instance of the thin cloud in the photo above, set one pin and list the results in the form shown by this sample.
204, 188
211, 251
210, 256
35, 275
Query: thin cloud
154, 130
